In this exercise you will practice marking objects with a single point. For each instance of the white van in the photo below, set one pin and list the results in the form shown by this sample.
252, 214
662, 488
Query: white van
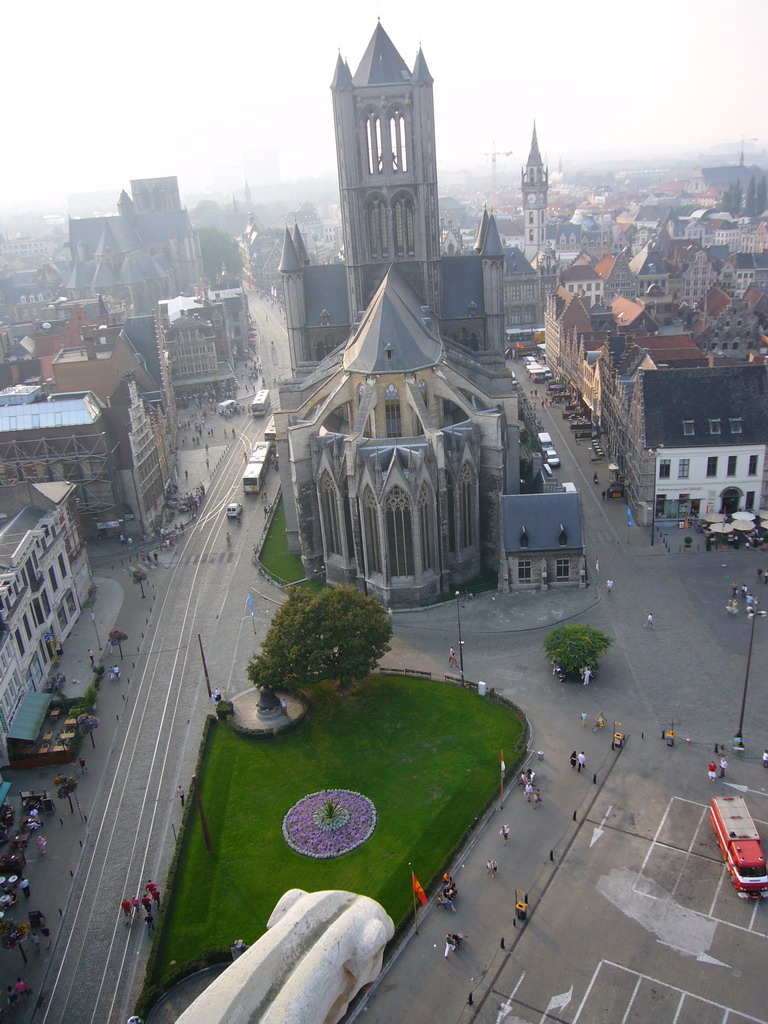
227, 408
545, 441
569, 488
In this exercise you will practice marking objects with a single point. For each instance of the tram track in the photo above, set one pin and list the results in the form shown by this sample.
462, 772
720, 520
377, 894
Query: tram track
98, 958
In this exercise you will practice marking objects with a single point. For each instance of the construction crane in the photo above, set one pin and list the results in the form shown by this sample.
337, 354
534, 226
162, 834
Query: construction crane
493, 154
743, 140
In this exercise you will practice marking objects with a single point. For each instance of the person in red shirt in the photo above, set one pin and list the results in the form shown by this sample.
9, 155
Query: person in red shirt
146, 902
127, 909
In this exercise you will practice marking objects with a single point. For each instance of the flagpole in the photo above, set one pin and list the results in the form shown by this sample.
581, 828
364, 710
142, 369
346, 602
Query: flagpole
413, 894
501, 782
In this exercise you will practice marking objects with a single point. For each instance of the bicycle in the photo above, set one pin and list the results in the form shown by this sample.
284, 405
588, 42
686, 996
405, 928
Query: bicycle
600, 723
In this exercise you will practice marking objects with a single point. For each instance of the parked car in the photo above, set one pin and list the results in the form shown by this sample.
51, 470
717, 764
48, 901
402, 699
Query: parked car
553, 459
234, 509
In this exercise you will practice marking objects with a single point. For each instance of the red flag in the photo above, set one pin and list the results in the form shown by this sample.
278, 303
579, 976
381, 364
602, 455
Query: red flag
418, 890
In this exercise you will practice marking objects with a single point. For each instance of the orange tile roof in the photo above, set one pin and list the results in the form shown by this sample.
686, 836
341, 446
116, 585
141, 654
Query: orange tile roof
716, 301
625, 311
604, 266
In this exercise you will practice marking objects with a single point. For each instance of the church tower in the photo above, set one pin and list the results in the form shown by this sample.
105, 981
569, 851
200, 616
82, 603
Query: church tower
535, 183
385, 147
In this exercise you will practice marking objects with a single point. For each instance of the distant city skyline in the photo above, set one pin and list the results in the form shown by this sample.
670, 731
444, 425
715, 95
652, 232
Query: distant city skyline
103, 101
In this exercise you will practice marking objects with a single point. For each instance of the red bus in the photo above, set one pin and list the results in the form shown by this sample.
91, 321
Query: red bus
740, 844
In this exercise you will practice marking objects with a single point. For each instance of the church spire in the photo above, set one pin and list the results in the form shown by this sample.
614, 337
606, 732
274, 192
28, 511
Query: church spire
534, 157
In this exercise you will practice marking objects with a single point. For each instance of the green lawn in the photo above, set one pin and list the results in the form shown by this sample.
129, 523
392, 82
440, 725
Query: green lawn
275, 557
426, 753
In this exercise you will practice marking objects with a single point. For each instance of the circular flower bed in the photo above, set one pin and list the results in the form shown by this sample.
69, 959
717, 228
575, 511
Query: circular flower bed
329, 823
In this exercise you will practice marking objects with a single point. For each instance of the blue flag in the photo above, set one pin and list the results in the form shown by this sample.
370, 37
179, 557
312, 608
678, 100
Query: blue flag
630, 520
249, 599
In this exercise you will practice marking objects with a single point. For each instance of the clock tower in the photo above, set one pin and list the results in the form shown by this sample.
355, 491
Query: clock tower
535, 183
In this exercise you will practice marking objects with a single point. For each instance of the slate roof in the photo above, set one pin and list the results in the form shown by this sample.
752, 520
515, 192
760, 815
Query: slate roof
462, 284
381, 63
534, 157
579, 272
392, 337
420, 69
342, 76
543, 516
714, 393
289, 258
515, 263
325, 288
141, 331
492, 243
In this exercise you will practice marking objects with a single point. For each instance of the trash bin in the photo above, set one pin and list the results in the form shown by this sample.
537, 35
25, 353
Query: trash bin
521, 911
482, 688
540, 755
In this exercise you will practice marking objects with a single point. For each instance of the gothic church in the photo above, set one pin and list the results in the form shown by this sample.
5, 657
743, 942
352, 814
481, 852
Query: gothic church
399, 432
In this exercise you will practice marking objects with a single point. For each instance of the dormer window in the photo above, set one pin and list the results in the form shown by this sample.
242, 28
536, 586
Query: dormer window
325, 318
688, 428
563, 538
736, 425
472, 309
714, 426
389, 350
524, 538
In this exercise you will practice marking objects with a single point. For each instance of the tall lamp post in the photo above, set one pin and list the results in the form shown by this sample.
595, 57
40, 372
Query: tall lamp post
738, 739
461, 642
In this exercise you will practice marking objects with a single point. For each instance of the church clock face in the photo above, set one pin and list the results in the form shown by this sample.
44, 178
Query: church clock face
531, 198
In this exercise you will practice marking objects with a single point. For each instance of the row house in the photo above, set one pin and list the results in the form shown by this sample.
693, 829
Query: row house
617, 275
45, 579
649, 269
696, 442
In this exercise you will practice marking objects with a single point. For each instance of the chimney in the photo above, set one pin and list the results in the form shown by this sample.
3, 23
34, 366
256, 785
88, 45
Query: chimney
89, 342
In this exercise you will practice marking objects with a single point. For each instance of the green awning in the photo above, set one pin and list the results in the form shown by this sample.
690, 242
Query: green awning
4, 787
29, 717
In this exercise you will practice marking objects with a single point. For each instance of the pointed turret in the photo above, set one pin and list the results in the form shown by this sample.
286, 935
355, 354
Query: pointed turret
481, 231
125, 205
301, 249
492, 247
381, 63
103, 312
342, 76
420, 69
534, 157
289, 259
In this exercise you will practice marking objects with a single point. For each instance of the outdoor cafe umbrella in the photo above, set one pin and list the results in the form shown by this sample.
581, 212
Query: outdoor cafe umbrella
742, 525
714, 517
743, 516
720, 528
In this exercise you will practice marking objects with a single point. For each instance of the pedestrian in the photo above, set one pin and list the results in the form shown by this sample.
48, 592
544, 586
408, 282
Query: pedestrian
489, 867
34, 938
156, 897
586, 674
127, 909
594, 478
574, 756
21, 987
149, 921
91, 656
83, 766
582, 759
609, 585
583, 723
734, 590
42, 842
13, 998
504, 833
448, 945
744, 591
116, 670
494, 868
712, 771
723, 766
154, 555
649, 622
186, 474
180, 794
451, 656
529, 791
146, 903
765, 759
603, 495
537, 800
135, 906
24, 886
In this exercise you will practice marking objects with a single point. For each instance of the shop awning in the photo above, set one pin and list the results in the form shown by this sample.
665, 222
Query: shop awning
29, 717
4, 787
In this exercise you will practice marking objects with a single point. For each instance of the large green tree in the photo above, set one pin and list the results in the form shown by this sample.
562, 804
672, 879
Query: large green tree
336, 634
219, 250
573, 647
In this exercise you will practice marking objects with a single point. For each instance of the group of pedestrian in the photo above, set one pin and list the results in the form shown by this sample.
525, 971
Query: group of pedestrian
133, 906
713, 772
20, 990
578, 761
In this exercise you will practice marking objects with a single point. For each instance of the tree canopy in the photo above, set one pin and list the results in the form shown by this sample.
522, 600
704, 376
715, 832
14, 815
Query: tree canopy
219, 250
575, 646
336, 634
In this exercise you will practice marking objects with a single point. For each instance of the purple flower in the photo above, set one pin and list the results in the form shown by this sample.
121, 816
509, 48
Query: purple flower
329, 823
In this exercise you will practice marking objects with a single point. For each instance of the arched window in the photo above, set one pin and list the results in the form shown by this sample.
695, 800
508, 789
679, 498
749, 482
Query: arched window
426, 532
397, 140
392, 411
378, 233
402, 224
399, 533
467, 506
450, 501
371, 527
373, 143
330, 513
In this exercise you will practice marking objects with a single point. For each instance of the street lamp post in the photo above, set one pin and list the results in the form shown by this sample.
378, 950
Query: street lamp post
738, 739
461, 642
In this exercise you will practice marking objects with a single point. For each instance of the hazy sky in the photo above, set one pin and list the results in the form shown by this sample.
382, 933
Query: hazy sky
97, 94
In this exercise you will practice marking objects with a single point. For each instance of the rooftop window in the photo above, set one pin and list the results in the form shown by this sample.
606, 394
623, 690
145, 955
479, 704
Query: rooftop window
736, 425
688, 428
714, 426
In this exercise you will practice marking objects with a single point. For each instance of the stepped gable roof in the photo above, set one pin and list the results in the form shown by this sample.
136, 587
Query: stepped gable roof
325, 290
576, 313
534, 157
393, 337
462, 285
420, 69
716, 301
701, 395
381, 63
289, 258
516, 263
342, 76
543, 517
492, 246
